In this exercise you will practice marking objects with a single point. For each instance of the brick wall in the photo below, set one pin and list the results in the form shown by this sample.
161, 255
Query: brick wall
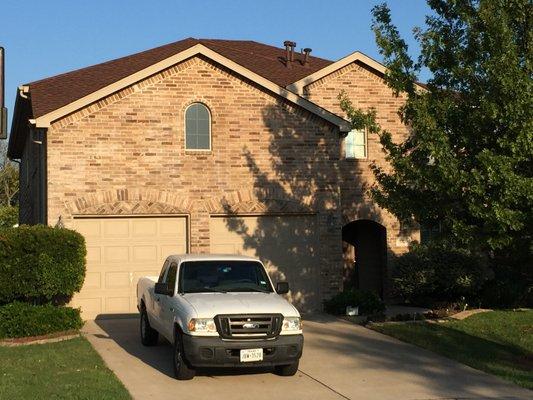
366, 89
132, 144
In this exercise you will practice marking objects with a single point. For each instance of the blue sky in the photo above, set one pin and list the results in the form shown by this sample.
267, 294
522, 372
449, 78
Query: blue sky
45, 38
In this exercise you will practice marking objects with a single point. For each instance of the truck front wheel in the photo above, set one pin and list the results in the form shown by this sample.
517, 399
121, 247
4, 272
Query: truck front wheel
149, 335
182, 371
287, 370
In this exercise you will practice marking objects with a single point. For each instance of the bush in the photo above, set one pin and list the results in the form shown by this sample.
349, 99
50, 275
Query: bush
40, 264
434, 273
9, 217
368, 302
511, 287
23, 319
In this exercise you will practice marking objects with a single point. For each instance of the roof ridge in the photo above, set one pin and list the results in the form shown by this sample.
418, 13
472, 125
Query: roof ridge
243, 51
222, 42
281, 48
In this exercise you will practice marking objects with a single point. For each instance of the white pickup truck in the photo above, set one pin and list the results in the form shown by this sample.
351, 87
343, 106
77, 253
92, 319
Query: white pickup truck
220, 311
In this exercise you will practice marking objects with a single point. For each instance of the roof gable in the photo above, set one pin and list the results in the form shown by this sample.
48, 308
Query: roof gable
299, 85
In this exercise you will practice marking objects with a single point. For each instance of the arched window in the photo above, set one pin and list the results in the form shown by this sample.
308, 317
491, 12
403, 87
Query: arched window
355, 144
197, 127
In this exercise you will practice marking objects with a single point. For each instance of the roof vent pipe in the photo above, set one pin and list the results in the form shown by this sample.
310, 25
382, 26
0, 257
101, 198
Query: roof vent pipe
289, 51
307, 50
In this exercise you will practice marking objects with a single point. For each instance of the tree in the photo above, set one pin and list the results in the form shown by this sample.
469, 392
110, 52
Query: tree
9, 179
467, 163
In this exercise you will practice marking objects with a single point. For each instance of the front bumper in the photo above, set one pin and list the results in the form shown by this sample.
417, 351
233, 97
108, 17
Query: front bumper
216, 352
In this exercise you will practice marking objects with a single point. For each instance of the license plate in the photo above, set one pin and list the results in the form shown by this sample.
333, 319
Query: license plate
248, 355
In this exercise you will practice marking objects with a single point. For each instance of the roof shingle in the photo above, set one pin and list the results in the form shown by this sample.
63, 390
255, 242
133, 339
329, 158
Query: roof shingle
55, 92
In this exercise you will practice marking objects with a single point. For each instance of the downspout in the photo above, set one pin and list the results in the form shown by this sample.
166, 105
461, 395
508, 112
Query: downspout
44, 176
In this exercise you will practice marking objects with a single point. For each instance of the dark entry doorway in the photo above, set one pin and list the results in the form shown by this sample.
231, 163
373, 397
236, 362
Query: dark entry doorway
365, 255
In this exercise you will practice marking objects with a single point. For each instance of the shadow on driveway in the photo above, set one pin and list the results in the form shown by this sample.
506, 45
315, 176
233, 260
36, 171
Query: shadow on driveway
340, 361
124, 330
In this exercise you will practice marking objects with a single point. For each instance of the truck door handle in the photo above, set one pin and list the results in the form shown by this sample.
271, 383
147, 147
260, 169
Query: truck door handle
157, 299
171, 309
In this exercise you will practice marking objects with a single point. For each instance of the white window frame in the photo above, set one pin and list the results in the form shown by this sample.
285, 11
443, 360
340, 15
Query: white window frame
185, 127
345, 155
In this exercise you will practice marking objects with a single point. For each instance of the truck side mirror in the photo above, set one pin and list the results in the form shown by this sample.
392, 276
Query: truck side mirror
162, 288
282, 287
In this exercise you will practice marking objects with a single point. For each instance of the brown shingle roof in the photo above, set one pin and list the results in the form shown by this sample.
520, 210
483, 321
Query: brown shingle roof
268, 61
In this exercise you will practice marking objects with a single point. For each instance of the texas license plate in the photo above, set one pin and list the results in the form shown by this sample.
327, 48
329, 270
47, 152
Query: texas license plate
248, 355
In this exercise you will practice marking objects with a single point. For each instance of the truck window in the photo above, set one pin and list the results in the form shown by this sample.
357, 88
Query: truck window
163, 271
171, 276
223, 276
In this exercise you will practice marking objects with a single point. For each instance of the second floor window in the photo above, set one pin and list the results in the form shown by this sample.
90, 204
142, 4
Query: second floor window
355, 144
197, 127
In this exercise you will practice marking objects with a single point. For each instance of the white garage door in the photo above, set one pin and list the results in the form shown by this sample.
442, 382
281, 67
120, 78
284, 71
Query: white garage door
287, 245
119, 251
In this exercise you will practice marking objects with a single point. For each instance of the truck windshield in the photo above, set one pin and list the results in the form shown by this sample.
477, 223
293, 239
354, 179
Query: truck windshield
223, 276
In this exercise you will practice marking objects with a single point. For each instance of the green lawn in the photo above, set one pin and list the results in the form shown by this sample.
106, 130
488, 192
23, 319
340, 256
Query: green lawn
64, 370
497, 342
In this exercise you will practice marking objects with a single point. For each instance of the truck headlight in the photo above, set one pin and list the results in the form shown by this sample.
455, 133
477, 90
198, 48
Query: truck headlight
291, 324
202, 325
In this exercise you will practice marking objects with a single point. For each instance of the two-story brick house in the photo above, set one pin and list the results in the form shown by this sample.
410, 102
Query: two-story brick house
210, 146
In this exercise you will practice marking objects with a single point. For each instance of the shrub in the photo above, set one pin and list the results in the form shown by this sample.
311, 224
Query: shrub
40, 264
511, 287
368, 302
23, 319
435, 273
9, 216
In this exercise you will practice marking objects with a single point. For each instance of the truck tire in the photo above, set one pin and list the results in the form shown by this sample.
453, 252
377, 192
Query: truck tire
149, 335
287, 370
182, 370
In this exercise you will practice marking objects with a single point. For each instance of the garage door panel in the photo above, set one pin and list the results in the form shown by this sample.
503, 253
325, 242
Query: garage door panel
93, 280
171, 249
120, 250
115, 254
144, 228
116, 228
172, 229
90, 306
89, 228
117, 280
117, 305
94, 254
287, 245
145, 253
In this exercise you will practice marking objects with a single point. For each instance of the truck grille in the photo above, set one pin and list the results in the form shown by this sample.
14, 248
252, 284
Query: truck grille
249, 326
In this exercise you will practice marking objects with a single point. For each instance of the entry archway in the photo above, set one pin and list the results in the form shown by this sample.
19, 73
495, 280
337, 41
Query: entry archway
365, 255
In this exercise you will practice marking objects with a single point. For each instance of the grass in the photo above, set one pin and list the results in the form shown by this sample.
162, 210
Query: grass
64, 370
497, 342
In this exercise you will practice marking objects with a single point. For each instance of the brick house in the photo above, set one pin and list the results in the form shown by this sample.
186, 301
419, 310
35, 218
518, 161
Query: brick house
210, 146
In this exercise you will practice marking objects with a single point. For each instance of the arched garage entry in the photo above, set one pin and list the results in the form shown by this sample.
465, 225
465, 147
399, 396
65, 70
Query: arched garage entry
365, 255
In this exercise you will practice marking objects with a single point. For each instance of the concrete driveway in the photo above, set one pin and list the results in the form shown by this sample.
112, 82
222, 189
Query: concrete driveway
340, 361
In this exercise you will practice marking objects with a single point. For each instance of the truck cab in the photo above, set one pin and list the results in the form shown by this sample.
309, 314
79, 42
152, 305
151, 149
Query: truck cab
220, 311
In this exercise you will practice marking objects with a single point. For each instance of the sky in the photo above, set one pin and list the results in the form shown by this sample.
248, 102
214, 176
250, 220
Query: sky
46, 38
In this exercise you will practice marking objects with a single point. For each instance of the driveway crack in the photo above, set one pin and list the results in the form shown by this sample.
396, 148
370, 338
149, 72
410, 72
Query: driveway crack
325, 385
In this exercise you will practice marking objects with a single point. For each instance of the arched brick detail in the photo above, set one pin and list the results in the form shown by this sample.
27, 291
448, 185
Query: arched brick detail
268, 200
129, 201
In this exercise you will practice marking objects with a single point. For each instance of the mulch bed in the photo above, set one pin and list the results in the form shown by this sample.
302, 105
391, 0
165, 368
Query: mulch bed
49, 338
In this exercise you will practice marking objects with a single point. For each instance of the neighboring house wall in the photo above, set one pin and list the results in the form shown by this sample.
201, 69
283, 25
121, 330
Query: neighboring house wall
267, 156
31, 177
366, 89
